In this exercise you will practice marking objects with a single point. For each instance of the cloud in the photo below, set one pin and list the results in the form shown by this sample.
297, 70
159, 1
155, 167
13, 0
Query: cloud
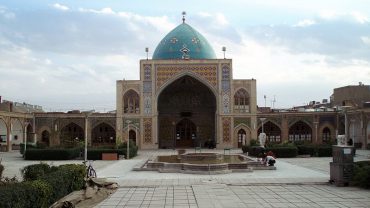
355, 16
305, 23
361, 18
294, 78
87, 31
337, 36
60, 7
4, 12
366, 40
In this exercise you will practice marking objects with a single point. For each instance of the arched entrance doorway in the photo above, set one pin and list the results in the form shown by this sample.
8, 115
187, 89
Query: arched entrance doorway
241, 138
186, 108
185, 133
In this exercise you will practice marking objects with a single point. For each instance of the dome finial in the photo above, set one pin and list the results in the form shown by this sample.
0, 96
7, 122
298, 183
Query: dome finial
183, 16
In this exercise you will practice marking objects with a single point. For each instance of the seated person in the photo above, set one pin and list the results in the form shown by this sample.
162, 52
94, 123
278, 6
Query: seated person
268, 160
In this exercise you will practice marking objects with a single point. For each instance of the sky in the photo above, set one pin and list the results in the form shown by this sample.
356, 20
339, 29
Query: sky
65, 55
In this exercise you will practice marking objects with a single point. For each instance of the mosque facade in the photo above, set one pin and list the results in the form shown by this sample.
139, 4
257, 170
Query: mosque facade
186, 97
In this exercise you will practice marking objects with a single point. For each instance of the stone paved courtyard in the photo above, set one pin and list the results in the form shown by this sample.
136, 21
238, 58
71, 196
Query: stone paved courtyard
297, 182
221, 195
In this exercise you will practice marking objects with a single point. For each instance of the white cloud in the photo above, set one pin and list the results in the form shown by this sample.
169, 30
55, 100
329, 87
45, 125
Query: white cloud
106, 10
294, 78
354, 15
366, 40
60, 7
359, 17
305, 23
328, 14
5, 13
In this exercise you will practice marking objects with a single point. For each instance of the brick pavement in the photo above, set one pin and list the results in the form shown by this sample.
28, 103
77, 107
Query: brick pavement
298, 182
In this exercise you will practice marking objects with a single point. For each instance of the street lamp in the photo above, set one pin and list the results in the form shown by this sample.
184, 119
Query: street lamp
128, 139
316, 124
25, 138
86, 117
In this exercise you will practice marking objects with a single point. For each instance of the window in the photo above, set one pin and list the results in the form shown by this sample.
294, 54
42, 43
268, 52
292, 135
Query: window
326, 134
241, 101
300, 131
131, 102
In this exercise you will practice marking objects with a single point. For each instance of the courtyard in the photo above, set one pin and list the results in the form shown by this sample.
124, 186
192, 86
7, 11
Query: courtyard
297, 182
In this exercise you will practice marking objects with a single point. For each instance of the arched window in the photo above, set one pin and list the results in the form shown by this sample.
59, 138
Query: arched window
30, 134
3, 131
241, 101
131, 102
272, 131
45, 137
103, 135
17, 132
71, 134
300, 131
326, 137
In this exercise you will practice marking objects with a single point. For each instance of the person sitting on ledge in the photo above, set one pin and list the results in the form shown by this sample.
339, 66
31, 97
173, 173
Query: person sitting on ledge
268, 159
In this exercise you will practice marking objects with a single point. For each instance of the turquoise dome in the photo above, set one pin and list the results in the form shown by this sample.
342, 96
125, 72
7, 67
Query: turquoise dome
184, 42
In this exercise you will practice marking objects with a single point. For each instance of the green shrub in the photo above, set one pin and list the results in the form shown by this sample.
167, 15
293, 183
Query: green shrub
122, 149
41, 145
254, 150
283, 151
52, 154
361, 174
29, 146
50, 184
78, 174
34, 172
28, 194
324, 151
254, 142
12, 196
1, 170
306, 150
42, 193
63, 181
